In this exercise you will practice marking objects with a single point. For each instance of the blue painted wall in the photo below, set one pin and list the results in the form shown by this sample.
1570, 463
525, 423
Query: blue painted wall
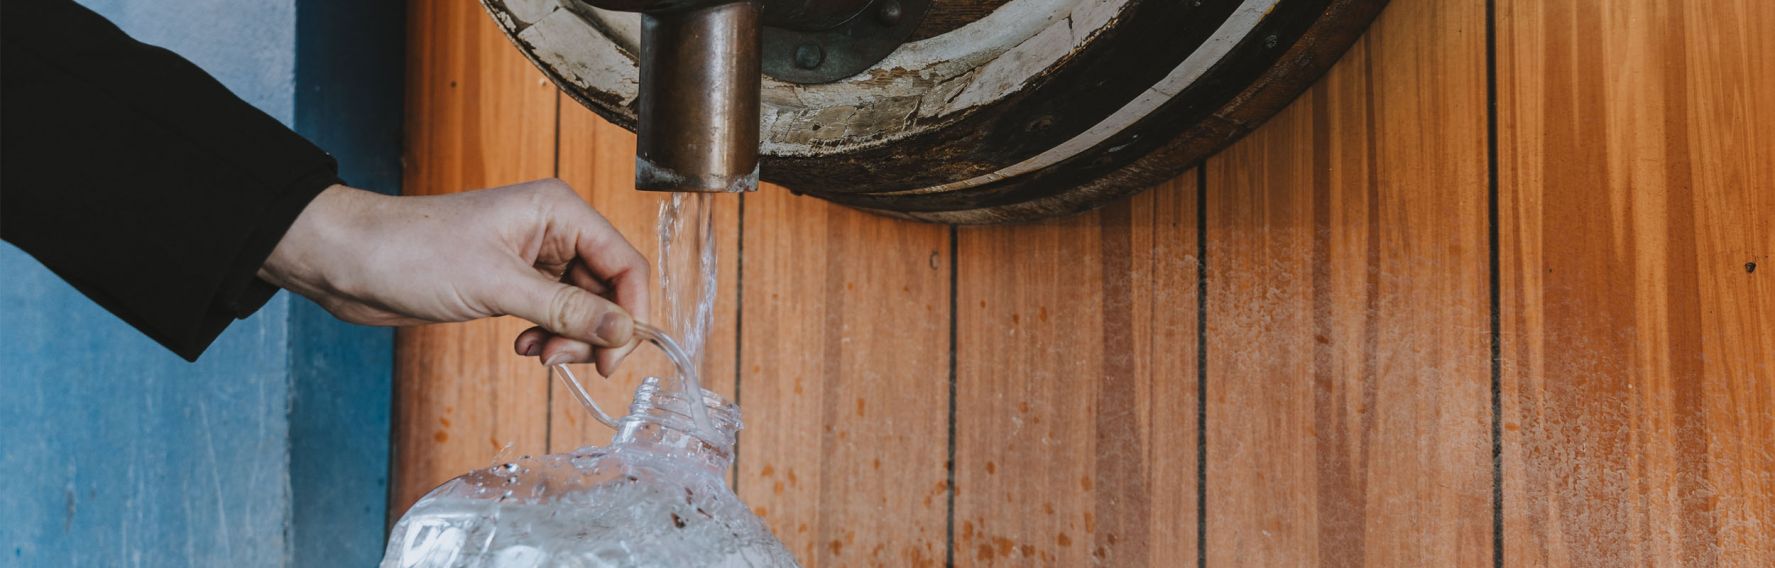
273, 448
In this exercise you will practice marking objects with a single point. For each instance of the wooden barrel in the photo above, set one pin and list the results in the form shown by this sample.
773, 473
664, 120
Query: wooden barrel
1001, 111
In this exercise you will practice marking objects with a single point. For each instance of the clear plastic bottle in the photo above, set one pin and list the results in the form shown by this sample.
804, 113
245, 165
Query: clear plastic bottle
657, 496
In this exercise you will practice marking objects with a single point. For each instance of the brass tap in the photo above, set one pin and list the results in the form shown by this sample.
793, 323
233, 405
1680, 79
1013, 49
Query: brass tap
699, 107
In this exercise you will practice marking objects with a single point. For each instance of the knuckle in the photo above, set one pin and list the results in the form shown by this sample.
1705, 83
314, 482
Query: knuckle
554, 188
572, 311
560, 308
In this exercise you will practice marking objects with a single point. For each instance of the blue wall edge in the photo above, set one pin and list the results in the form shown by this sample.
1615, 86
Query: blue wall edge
350, 81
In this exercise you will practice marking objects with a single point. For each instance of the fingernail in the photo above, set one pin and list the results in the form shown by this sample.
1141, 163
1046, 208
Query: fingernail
558, 359
610, 328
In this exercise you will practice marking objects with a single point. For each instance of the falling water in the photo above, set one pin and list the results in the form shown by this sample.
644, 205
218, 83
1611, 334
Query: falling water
686, 270
686, 273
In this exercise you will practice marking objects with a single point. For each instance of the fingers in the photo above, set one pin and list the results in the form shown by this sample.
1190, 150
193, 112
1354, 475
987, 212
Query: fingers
529, 343
611, 266
578, 275
558, 350
540, 343
553, 350
587, 314
607, 259
570, 312
609, 358
601, 248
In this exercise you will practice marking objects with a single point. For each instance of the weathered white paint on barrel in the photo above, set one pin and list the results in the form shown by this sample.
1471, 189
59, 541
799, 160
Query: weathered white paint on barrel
923, 85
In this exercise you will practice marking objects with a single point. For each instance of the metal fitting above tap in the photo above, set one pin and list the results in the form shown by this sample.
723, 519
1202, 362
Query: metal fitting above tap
701, 63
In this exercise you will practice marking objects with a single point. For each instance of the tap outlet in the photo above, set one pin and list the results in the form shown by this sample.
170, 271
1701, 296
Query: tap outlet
699, 107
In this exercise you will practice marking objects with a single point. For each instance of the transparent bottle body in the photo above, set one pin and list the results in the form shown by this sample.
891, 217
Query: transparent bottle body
657, 496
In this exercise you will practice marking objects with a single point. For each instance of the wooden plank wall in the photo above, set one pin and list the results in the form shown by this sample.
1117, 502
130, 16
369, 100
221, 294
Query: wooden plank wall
1636, 197
1347, 327
1485, 293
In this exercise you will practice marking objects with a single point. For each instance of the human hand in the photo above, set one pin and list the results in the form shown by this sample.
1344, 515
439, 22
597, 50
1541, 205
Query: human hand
534, 250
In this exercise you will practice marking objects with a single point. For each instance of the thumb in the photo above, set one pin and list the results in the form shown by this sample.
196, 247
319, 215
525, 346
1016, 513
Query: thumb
572, 312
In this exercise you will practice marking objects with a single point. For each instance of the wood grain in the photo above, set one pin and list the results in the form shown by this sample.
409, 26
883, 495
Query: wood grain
478, 116
1348, 337
1637, 186
1075, 387
1349, 370
598, 159
845, 388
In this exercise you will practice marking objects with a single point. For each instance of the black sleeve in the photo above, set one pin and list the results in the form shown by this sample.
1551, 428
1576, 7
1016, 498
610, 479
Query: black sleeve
138, 178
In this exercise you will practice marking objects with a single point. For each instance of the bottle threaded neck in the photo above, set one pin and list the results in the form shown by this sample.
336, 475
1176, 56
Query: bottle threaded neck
660, 417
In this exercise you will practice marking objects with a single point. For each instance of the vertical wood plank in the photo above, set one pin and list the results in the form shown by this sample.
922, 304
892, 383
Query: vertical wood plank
478, 116
1637, 184
1174, 403
1348, 336
1261, 507
598, 159
845, 381
1075, 395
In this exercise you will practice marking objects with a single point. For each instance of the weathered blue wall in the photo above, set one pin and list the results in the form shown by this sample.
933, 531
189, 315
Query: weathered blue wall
118, 452
273, 448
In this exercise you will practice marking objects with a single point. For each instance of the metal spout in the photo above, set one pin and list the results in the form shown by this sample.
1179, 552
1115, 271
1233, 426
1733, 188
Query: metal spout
699, 101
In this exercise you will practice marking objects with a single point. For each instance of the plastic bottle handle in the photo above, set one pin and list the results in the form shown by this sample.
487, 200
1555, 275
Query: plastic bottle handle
585, 398
680, 360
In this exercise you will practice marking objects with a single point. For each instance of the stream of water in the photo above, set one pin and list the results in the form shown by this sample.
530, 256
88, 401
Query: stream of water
686, 270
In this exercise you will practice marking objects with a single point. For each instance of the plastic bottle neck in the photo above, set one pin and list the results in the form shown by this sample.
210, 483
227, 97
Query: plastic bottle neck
659, 421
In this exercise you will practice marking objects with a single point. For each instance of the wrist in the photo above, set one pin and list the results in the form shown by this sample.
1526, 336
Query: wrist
302, 260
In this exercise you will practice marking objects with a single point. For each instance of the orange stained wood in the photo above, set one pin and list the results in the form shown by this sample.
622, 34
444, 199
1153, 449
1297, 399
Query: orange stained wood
1348, 312
598, 159
1349, 270
1637, 187
1075, 387
478, 116
845, 381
